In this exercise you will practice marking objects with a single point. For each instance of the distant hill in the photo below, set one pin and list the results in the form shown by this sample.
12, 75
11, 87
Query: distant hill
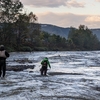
97, 32
51, 29
63, 32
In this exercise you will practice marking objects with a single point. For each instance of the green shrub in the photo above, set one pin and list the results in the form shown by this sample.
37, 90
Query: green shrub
40, 49
9, 49
26, 49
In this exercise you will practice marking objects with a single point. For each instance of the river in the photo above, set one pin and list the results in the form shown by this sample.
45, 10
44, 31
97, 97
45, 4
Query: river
74, 75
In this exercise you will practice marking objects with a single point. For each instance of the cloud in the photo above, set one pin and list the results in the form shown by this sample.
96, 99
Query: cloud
97, 0
63, 19
93, 18
93, 21
52, 3
74, 3
69, 19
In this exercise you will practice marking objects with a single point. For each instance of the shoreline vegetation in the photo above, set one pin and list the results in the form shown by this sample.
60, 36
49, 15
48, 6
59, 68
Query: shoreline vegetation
20, 31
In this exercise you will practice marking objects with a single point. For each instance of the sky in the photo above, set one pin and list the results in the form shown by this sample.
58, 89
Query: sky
65, 13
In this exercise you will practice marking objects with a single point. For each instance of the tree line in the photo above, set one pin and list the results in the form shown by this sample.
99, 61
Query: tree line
20, 31
83, 39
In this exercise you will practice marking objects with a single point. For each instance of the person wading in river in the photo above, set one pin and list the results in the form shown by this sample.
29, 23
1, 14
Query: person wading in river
45, 63
3, 55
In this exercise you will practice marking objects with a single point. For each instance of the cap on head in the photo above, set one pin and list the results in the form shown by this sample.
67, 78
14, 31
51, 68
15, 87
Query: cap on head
46, 58
2, 47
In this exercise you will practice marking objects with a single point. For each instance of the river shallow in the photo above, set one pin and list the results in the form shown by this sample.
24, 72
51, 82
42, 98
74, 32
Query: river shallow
73, 76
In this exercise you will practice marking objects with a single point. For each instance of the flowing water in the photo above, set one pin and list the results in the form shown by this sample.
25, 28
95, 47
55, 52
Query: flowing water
73, 76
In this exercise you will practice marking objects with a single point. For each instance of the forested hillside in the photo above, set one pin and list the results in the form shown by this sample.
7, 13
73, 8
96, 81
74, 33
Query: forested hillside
63, 32
51, 29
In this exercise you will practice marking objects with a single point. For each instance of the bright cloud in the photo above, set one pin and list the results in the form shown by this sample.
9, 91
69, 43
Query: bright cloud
98, 0
93, 19
52, 3
65, 13
69, 19
74, 3
64, 19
